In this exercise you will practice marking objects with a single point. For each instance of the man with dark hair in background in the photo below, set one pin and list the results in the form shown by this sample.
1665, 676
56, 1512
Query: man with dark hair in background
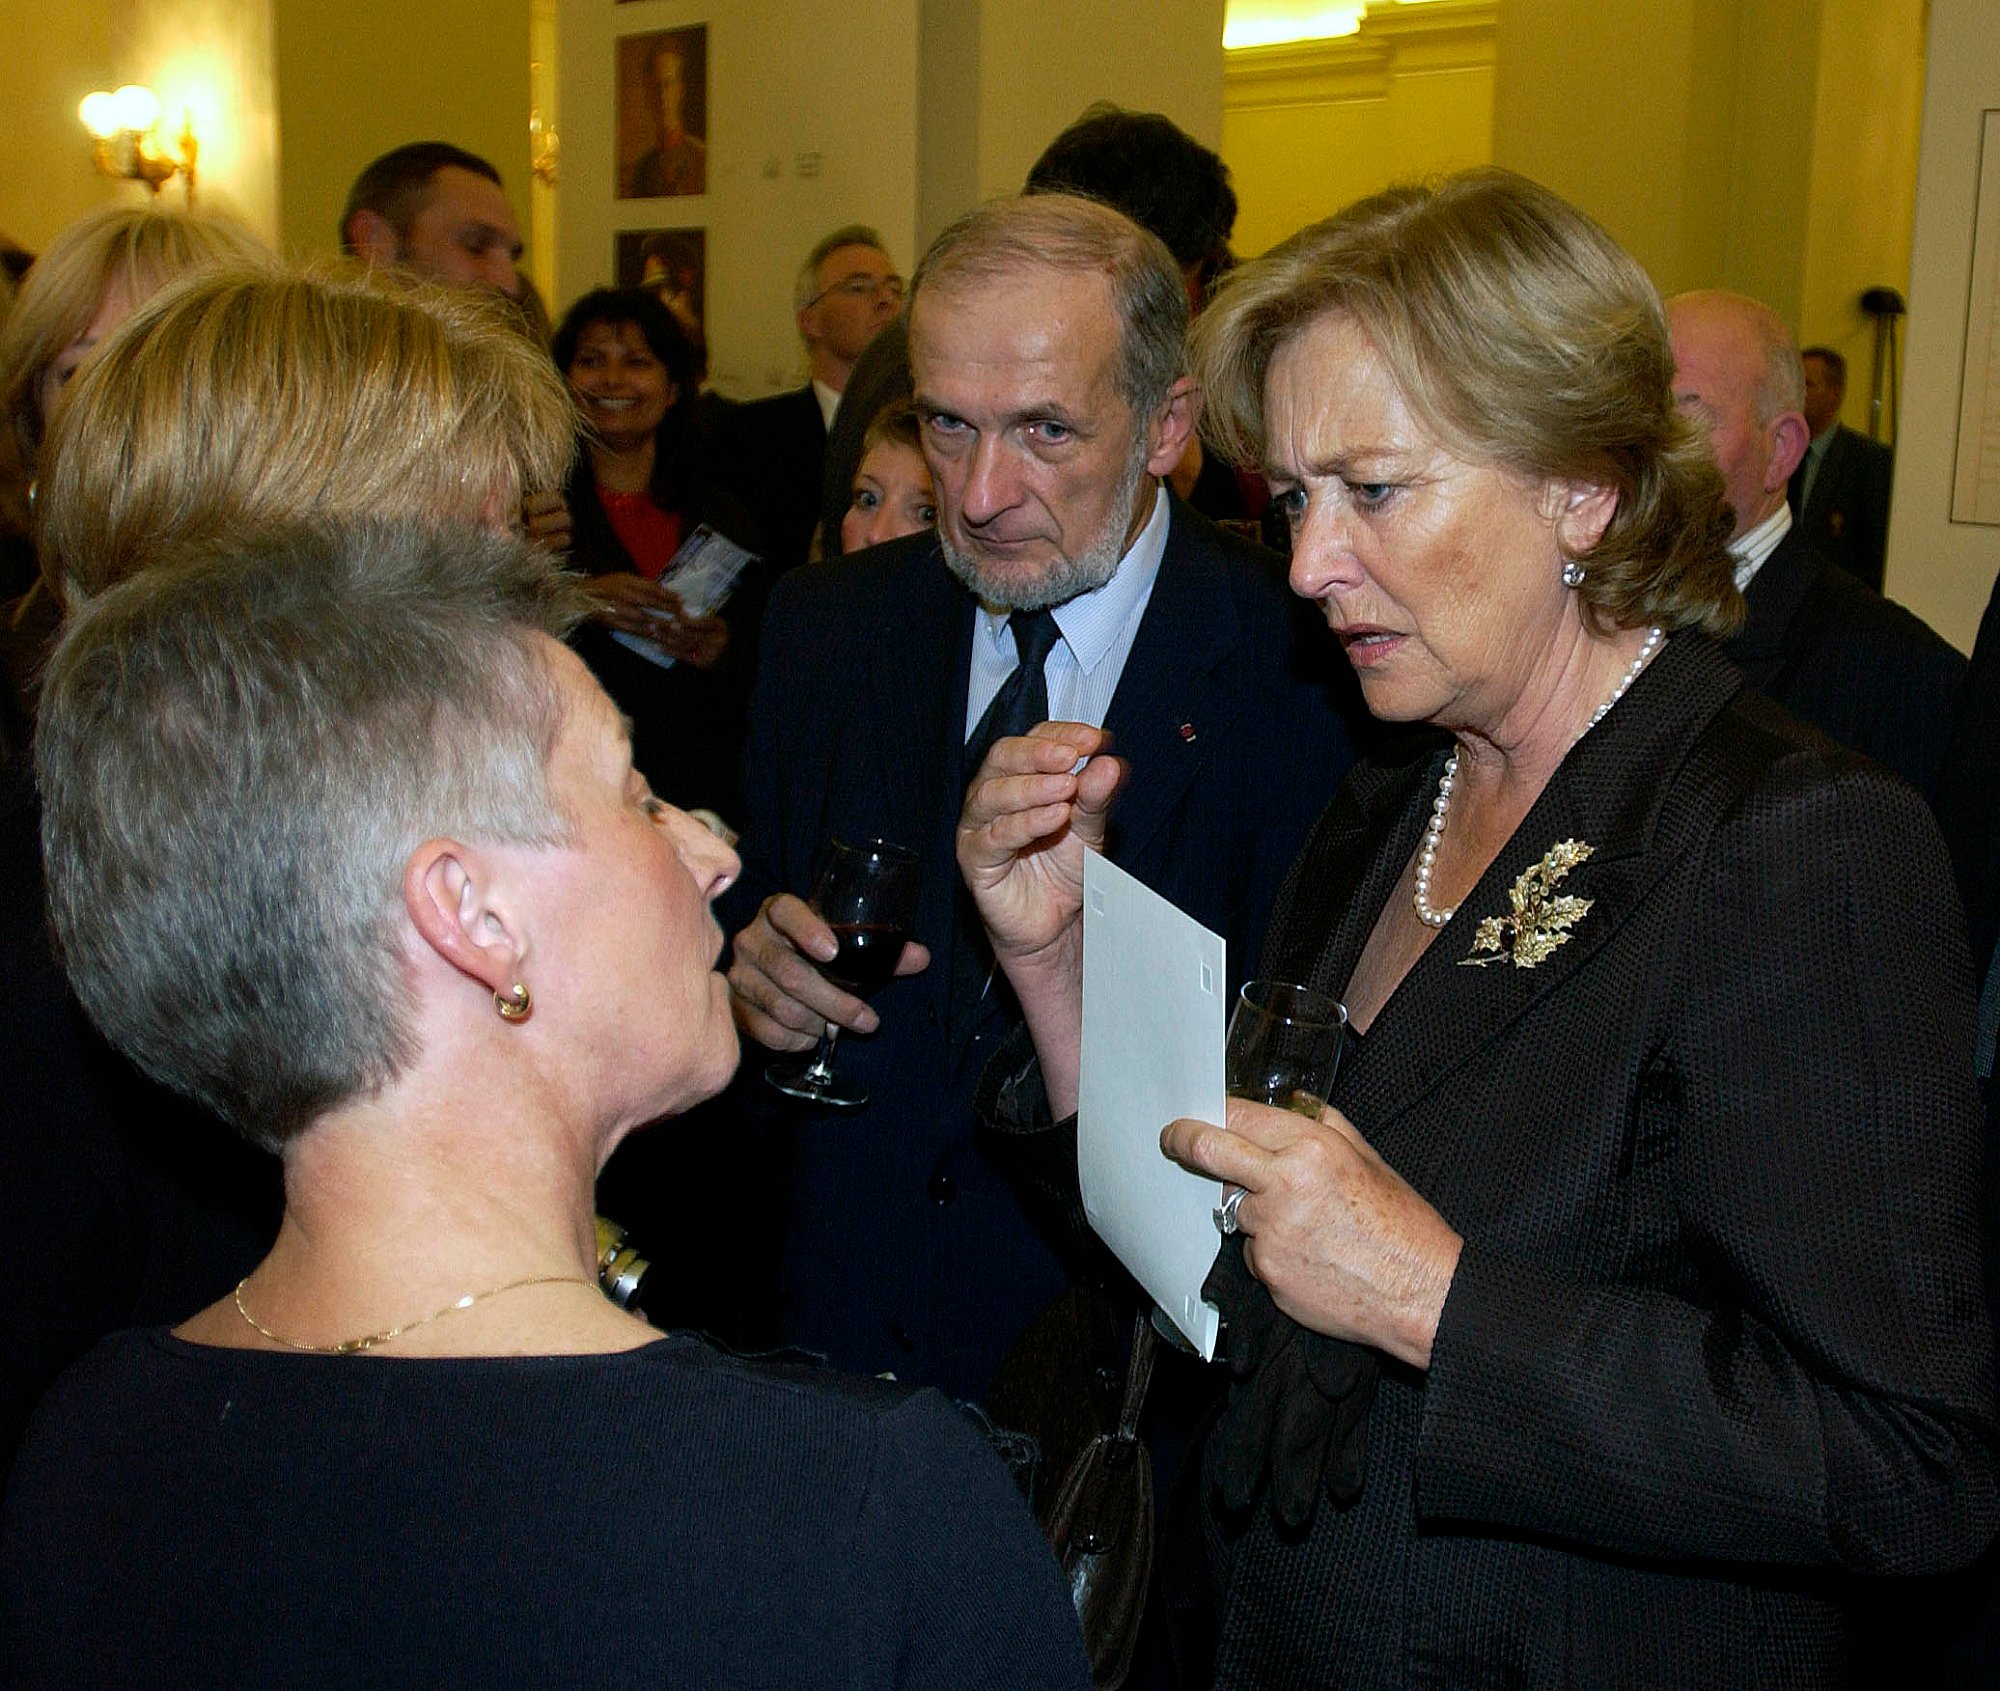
1840, 491
1156, 174
438, 211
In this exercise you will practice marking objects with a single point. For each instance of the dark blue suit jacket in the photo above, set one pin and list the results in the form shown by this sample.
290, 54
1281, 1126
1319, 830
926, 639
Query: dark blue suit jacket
906, 1249
768, 454
1847, 518
1859, 668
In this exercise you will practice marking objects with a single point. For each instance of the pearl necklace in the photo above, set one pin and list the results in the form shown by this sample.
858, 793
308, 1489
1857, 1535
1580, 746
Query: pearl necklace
1420, 895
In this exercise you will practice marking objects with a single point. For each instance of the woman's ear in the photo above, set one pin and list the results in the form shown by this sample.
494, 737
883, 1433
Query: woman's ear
1581, 512
450, 895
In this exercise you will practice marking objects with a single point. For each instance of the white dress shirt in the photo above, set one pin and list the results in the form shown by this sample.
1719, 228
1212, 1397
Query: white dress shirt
829, 401
1750, 550
1097, 632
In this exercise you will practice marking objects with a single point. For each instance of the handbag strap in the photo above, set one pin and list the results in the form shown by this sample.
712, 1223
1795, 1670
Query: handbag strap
1138, 1373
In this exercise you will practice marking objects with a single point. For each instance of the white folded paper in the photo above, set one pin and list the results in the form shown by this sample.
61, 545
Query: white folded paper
1153, 1013
704, 572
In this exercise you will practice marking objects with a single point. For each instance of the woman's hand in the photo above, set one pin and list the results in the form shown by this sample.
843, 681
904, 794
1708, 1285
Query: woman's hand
634, 605
1344, 1243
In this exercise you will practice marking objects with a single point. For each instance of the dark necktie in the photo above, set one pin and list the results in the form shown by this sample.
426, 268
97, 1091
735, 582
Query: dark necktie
1023, 701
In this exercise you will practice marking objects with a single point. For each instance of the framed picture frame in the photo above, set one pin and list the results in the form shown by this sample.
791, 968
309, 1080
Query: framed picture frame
662, 114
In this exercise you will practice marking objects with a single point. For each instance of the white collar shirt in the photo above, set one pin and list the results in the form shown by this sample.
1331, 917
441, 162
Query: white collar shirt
1750, 550
1097, 631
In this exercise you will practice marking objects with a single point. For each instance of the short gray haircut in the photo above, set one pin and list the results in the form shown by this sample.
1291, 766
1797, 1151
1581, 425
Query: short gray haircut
1783, 384
847, 235
1066, 232
1781, 372
238, 750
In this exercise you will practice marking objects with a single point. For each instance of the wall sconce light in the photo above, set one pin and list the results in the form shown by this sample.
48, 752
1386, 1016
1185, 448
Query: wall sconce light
544, 148
122, 129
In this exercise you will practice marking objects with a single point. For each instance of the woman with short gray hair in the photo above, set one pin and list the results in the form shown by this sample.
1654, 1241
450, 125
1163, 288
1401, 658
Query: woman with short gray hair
241, 396
343, 841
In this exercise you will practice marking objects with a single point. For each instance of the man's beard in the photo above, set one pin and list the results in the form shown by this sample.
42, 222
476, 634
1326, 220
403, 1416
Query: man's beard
1066, 578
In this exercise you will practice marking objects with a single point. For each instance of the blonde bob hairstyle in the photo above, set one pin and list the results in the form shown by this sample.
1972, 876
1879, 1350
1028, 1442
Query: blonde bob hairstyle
338, 393
1522, 336
133, 250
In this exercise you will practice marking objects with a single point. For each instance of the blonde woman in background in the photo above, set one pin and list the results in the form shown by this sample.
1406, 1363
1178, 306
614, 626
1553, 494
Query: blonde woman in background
233, 399
90, 279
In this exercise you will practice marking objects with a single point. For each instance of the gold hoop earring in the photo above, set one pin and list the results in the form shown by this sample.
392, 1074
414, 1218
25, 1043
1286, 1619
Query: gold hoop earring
513, 1004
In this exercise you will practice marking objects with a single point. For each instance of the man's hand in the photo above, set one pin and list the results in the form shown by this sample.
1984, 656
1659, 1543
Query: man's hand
780, 998
1028, 814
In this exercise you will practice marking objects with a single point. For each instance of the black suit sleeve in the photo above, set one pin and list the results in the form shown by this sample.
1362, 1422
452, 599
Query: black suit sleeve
1822, 1390
1968, 791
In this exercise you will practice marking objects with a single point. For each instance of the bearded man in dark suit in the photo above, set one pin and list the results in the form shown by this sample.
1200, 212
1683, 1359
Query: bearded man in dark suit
1829, 649
1046, 338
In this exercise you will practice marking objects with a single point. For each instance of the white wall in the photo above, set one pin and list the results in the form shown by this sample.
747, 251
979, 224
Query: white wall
852, 87
1943, 570
834, 86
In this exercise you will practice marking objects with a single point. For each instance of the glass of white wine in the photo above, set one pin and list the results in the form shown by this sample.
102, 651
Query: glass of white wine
1283, 1046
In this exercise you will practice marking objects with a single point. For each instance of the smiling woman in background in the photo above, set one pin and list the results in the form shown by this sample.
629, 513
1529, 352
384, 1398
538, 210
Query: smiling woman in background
638, 492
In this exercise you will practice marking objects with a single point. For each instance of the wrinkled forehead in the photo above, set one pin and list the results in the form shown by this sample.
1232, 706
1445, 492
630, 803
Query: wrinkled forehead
1024, 313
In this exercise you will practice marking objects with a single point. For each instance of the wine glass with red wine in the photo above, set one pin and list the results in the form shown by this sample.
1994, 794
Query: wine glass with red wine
868, 895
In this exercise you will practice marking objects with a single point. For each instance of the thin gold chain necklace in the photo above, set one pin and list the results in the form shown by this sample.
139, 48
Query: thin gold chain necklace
368, 1341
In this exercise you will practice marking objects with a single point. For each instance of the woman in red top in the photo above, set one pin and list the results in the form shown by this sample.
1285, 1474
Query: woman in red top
639, 490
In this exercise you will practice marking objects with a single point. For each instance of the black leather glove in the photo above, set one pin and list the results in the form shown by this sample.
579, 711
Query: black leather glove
1297, 1414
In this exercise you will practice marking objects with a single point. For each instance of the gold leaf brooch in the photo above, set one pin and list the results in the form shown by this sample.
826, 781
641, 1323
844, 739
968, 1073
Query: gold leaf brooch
1541, 920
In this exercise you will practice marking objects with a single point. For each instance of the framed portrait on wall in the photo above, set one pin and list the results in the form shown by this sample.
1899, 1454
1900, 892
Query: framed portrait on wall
673, 263
662, 112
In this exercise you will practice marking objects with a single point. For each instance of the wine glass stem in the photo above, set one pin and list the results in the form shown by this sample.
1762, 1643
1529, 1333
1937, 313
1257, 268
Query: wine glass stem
821, 1070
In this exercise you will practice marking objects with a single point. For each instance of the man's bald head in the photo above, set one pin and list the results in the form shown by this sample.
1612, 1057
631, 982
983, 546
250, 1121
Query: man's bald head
1737, 372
